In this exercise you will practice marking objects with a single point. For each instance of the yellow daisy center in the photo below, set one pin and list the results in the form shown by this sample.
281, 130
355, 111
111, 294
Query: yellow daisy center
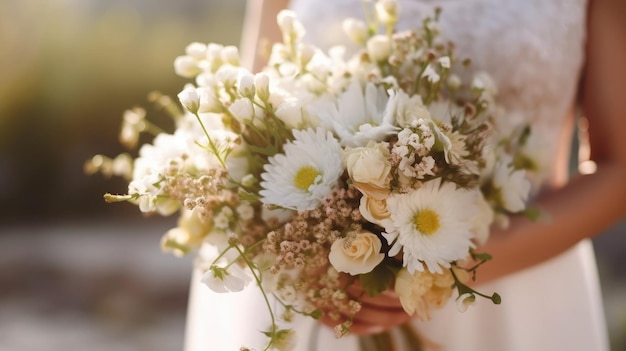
427, 221
305, 177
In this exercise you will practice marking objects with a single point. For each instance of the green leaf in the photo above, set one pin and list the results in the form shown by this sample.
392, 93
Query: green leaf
378, 280
481, 256
533, 213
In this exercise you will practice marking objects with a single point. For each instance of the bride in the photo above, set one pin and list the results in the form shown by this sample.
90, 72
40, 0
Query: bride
548, 58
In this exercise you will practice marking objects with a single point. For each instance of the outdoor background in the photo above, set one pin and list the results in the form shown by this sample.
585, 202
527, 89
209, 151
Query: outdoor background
79, 274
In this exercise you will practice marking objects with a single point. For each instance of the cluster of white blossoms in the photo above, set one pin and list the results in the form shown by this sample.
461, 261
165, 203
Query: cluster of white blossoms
384, 165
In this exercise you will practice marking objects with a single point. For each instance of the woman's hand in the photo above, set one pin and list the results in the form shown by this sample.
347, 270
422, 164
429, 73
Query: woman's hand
377, 314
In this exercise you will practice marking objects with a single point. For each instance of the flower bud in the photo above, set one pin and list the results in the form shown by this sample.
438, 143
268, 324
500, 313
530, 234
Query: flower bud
186, 66
196, 50
444, 62
246, 85
454, 82
227, 75
261, 84
189, 99
387, 12
379, 48
355, 30
306, 53
209, 101
230, 55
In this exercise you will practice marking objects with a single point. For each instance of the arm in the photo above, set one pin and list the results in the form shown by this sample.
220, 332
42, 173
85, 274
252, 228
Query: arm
259, 30
588, 204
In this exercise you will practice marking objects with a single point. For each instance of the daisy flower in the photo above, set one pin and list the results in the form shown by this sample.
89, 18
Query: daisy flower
305, 173
432, 225
358, 115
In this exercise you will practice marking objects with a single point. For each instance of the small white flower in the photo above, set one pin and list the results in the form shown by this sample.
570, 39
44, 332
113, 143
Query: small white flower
190, 99
186, 66
230, 54
305, 173
261, 85
513, 185
245, 211
289, 25
358, 115
387, 11
464, 301
356, 30
431, 225
358, 253
431, 75
221, 280
246, 85
379, 48
444, 62
196, 50
242, 110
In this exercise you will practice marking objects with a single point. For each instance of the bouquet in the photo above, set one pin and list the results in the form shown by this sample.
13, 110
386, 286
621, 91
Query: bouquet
384, 169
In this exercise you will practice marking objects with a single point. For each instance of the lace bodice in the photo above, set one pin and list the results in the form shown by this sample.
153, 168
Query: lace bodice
533, 49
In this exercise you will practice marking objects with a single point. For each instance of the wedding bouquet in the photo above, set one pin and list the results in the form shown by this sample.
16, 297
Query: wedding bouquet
383, 170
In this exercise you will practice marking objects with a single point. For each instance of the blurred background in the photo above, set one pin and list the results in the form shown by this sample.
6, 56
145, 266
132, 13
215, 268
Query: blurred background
77, 273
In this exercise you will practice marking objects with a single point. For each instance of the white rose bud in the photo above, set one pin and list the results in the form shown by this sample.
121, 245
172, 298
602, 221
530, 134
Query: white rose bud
355, 30
356, 254
189, 99
370, 169
261, 84
374, 210
379, 48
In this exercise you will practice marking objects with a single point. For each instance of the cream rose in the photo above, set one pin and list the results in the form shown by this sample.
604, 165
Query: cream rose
369, 168
374, 210
423, 290
358, 253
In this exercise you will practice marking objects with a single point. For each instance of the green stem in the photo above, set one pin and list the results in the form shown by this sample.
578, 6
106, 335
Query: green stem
267, 301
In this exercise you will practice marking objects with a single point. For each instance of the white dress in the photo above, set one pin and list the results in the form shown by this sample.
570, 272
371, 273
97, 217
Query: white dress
534, 50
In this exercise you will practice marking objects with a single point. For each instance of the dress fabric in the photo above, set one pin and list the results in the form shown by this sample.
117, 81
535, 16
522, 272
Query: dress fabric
534, 51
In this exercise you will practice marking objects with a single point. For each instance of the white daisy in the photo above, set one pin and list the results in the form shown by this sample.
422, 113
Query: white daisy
512, 185
357, 115
432, 225
305, 173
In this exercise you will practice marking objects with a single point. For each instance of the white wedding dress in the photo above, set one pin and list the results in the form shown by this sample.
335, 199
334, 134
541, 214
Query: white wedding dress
534, 50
